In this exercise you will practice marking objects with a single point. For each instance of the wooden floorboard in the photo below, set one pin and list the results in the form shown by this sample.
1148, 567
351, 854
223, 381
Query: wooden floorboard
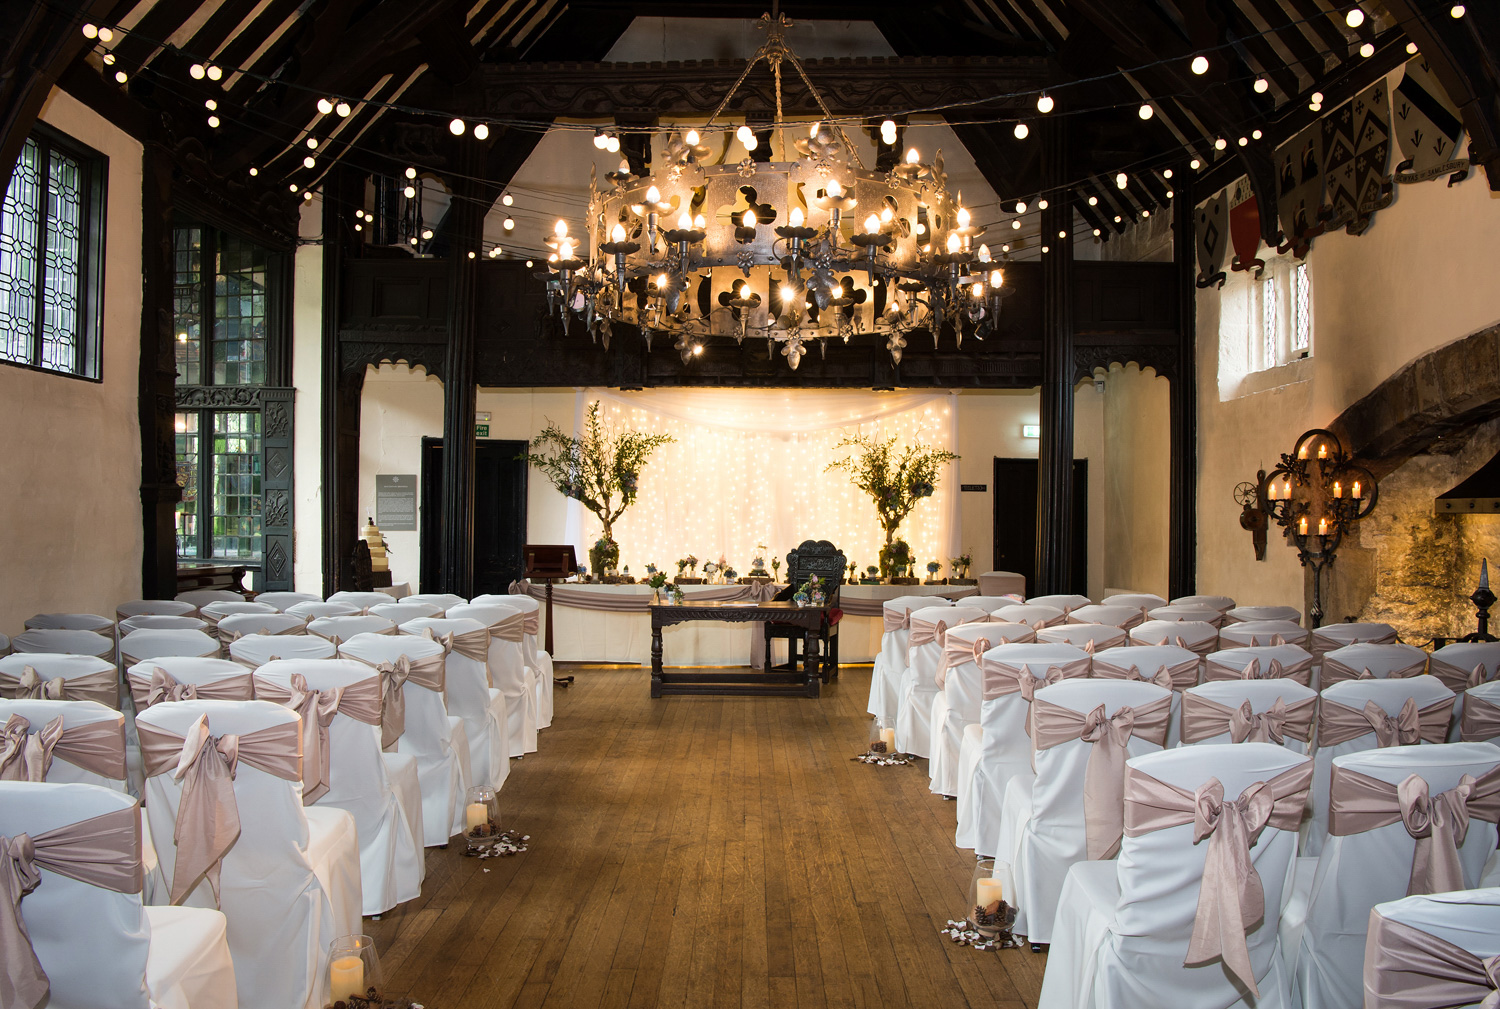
703, 851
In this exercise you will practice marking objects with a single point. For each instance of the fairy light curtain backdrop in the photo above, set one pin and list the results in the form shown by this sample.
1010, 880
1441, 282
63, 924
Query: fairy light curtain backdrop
750, 468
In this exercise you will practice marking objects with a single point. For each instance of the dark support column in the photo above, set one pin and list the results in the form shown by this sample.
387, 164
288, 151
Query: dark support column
1054, 505
457, 562
340, 502
1182, 544
158, 377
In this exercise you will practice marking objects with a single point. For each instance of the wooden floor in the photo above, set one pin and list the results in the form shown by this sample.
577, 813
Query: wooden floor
703, 851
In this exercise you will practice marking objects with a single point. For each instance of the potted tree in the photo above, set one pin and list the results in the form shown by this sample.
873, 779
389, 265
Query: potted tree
601, 469
895, 481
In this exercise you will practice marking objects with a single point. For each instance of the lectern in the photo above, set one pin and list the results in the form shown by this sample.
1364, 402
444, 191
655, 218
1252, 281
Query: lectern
547, 563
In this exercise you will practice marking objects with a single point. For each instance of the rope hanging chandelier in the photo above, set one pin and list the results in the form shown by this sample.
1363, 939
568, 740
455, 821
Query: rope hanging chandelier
798, 251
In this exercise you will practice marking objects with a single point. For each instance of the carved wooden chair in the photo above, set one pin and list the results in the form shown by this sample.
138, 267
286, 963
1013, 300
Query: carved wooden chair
813, 557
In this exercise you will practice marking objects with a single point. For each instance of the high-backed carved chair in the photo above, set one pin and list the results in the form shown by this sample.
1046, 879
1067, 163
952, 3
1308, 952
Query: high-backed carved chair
812, 557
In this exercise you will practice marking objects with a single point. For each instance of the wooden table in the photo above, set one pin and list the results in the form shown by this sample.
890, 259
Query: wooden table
812, 619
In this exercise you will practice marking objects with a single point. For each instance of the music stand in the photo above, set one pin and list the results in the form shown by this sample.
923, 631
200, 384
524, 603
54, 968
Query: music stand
547, 563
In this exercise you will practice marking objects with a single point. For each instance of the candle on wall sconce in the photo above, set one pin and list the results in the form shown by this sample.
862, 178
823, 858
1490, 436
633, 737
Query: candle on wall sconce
1302, 528
1323, 451
1302, 452
1323, 527
1355, 491
1338, 489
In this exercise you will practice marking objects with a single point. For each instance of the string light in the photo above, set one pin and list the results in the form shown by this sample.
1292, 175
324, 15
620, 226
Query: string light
482, 132
1093, 201
1262, 85
312, 143
292, 187
215, 73
121, 77
1220, 143
325, 106
411, 173
598, 138
196, 72
1195, 164
1021, 131
109, 59
1254, 134
1041, 204
343, 110
210, 105
1044, 104
1020, 206
254, 171
90, 31
1167, 174
309, 162
1200, 65
1354, 18
213, 122
1122, 180
1367, 50
507, 199
307, 196
106, 35
457, 127
1456, 11
1244, 141
471, 254
508, 224
426, 234
409, 192
1411, 49
1145, 111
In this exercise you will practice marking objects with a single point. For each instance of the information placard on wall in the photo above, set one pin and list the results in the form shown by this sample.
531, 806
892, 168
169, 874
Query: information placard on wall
396, 502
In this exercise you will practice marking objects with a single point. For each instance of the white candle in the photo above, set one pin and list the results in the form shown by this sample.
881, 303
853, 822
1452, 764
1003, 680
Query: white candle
475, 814
888, 737
346, 976
989, 891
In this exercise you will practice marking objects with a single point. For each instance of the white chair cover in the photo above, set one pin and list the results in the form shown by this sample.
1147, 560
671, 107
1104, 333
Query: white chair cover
1254, 633
1279, 708
436, 740
1426, 695
243, 624
1000, 583
158, 607
99, 946
1124, 927
1092, 638
538, 661
919, 686
255, 650
956, 706
64, 643
1330, 636
337, 629
1164, 665
289, 883
890, 663
444, 601
1247, 614
71, 622
214, 612
201, 597
212, 679
469, 695
1481, 722
361, 600
1360, 868
1035, 615
987, 603
1065, 601
391, 861
1455, 664
1050, 826
1432, 950
1221, 603
1004, 745
138, 646
94, 678
509, 672
1197, 614
1122, 616
1260, 662
1197, 636
283, 600
313, 611
1135, 600
404, 611
162, 622
96, 759
1384, 662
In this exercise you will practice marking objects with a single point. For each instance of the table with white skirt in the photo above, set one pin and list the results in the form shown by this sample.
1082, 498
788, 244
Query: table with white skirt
611, 623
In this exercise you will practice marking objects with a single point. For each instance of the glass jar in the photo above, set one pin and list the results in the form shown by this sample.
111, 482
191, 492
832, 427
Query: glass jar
353, 968
481, 816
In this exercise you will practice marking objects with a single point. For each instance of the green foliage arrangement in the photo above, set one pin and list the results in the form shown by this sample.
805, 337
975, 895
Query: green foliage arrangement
895, 481
599, 467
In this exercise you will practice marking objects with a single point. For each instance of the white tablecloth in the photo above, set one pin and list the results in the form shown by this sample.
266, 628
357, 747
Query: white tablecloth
590, 635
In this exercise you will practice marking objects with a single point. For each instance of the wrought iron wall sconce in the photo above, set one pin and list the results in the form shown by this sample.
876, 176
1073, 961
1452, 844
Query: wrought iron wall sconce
1317, 494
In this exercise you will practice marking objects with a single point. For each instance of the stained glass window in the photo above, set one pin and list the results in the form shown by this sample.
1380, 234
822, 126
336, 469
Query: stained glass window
48, 271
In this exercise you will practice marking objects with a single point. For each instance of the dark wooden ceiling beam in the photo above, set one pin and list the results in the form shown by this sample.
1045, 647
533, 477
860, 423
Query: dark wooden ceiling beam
1321, 24
1304, 53
151, 32
215, 31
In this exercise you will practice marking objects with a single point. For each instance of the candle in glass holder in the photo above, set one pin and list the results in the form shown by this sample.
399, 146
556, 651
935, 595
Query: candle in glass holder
1338, 489
988, 891
346, 977
475, 814
1302, 526
888, 737
1355, 494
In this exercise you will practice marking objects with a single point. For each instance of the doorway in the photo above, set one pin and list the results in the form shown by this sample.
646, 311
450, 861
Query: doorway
499, 513
1015, 521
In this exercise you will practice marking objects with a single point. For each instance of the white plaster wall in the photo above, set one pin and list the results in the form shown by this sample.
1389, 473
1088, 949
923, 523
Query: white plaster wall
1137, 463
307, 424
1420, 277
70, 521
400, 406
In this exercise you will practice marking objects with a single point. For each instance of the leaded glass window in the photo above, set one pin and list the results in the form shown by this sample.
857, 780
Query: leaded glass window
187, 476
50, 259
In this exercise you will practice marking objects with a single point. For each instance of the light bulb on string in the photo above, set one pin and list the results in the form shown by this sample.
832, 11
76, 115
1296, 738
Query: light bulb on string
599, 139
1315, 106
691, 138
457, 127
1256, 134
106, 35
482, 132
292, 187
1317, 98
90, 31
214, 73
1456, 11
1367, 50
213, 122
309, 162
1145, 111
307, 196
744, 134
1411, 49
471, 253
1262, 85
1167, 174
409, 192
254, 172
1022, 131
312, 143
1044, 104
121, 77
1122, 180
1016, 224
1220, 143
1020, 206
1244, 141
196, 72
1200, 65
1041, 204
1195, 164
752, 143
411, 173
507, 199
343, 109
325, 106
427, 235
1354, 18
109, 59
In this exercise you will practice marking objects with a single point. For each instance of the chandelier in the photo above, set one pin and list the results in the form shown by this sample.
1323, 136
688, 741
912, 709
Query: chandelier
807, 249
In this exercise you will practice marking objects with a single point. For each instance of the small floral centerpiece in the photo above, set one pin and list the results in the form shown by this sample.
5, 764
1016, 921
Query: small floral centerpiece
933, 567
692, 563
709, 568
677, 594
776, 567
758, 562
681, 565
872, 574
853, 570
730, 575
961, 564
657, 580
895, 558
583, 572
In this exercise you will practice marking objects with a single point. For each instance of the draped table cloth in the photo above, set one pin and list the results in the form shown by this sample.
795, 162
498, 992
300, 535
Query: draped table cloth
612, 623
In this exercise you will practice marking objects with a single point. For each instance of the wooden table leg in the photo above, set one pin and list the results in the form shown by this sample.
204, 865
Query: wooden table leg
811, 661
655, 660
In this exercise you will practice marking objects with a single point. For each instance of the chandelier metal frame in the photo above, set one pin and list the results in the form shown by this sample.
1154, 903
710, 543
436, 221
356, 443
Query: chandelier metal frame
797, 251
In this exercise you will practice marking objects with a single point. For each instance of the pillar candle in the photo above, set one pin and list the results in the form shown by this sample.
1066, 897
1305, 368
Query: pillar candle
1302, 526
1322, 527
989, 891
1338, 489
346, 976
888, 737
1356, 490
475, 814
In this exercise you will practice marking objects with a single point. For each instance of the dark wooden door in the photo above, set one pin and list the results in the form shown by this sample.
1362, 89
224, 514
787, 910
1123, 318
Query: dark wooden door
1015, 521
499, 513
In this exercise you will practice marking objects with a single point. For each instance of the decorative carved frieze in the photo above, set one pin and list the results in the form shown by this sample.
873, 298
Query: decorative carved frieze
218, 397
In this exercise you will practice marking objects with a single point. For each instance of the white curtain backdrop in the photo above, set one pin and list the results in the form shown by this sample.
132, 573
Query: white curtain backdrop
748, 468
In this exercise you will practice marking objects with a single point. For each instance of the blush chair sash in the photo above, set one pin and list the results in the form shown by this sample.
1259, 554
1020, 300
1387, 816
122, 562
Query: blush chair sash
230, 637
208, 818
1335, 671
26, 755
163, 686
1273, 670
471, 644
359, 700
1203, 718
959, 652
924, 633
1457, 678
511, 628
1439, 823
1339, 723
1173, 677
1481, 720
101, 686
1230, 897
1104, 777
426, 672
533, 621
895, 621
1000, 680
102, 851
1407, 968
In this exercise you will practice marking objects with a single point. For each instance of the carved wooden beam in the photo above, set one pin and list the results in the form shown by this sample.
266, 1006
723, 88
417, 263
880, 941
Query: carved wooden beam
863, 86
